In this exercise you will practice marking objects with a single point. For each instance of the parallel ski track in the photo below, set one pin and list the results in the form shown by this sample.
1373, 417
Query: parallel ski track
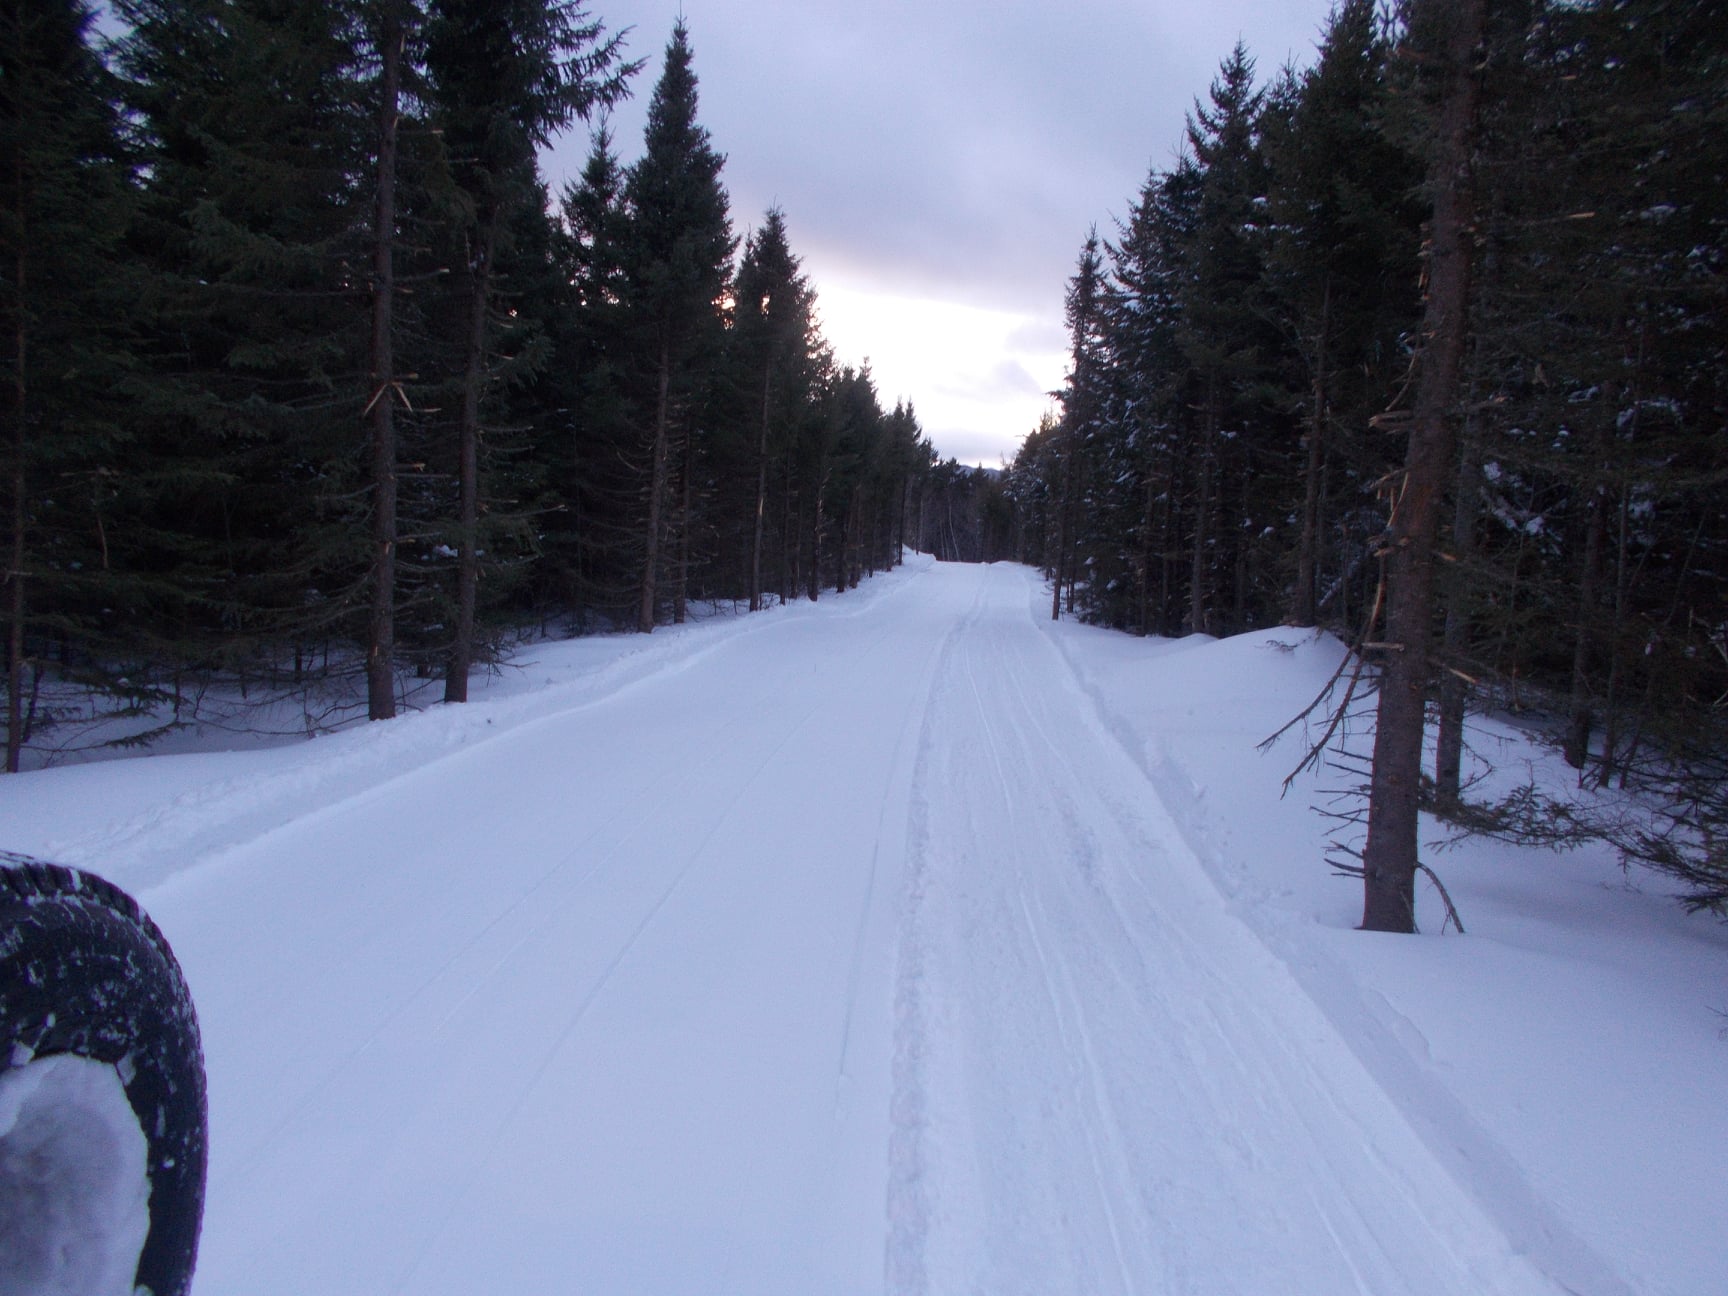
1078, 1068
634, 813
1075, 949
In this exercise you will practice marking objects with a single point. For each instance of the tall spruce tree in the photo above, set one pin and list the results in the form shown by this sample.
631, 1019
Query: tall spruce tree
1452, 38
774, 345
911, 457
391, 22
504, 78
591, 532
1153, 397
1224, 332
1082, 401
857, 464
65, 201
677, 271
255, 152
1344, 234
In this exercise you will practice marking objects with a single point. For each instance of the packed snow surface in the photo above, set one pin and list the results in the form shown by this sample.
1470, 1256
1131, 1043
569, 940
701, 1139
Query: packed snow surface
74, 1180
907, 942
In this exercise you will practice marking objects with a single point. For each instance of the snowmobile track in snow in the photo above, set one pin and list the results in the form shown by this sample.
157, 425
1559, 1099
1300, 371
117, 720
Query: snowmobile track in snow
851, 954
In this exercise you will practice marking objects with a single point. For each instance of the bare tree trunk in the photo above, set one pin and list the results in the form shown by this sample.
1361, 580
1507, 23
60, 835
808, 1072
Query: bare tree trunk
1239, 612
381, 626
813, 578
1389, 857
1169, 527
1197, 582
686, 472
1611, 723
20, 514
656, 492
852, 564
1454, 692
761, 495
1145, 591
1063, 521
900, 522
874, 544
1304, 611
842, 553
468, 471
789, 532
1576, 748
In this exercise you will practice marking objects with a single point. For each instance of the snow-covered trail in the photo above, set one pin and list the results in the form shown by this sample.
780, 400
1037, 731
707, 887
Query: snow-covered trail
1104, 1082
846, 954
601, 1005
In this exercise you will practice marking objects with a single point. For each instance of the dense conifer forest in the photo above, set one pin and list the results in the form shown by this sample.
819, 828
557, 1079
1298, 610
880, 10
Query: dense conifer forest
310, 376
1323, 363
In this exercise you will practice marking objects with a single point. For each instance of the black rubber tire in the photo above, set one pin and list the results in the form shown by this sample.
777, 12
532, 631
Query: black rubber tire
84, 971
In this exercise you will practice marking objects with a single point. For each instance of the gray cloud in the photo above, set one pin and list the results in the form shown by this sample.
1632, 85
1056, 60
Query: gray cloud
955, 151
964, 144
1045, 333
969, 446
1009, 378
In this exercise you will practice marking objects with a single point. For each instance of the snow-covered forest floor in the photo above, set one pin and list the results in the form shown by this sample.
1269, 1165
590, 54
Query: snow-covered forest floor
903, 942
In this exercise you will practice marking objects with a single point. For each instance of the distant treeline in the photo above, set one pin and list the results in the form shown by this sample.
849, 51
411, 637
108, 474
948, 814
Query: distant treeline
1248, 347
304, 363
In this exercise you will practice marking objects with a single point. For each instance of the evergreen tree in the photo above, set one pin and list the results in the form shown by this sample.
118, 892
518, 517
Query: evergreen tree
967, 515
65, 201
318, 349
1608, 170
255, 142
592, 449
807, 470
910, 458
1153, 400
1262, 293
855, 460
775, 348
1453, 38
1082, 401
1344, 235
677, 271
391, 22
1224, 334
504, 77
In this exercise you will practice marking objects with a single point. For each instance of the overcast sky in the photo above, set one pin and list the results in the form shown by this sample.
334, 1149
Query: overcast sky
940, 161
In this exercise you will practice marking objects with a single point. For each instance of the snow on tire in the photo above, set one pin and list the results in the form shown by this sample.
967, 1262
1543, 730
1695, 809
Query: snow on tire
102, 1108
